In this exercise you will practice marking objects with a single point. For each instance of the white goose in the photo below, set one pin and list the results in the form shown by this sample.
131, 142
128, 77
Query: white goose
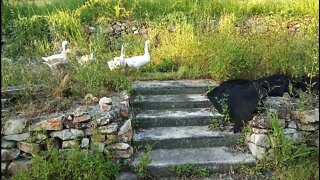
62, 57
138, 61
117, 61
86, 58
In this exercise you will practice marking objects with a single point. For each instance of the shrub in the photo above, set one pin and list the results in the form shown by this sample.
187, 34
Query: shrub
77, 165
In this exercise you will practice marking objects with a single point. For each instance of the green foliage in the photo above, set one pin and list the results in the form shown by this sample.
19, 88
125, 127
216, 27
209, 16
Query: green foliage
190, 171
76, 165
26, 35
189, 39
144, 161
167, 66
288, 160
135, 122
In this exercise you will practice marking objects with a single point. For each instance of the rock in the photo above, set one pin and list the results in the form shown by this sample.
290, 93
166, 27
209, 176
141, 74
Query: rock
135, 32
31, 148
124, 96
257, 151
88, 131
9, 154
97, 146
68, 124
308, 127
306, 117
134, 28
106, 30
14, 126
260, 131
260, 122
17, 166
98, 138
84, 125
116, 28
289, 131
260, 140
276, 102
125, 127
85, 143
143, 31
313, 139
104, 120
4, 167
83, 118
120, 146
81, 110
109, 129
8, 144
122, 153
16, 137
119, 138
292, 125
105, 104
127, 176
54, 124
124, 109
70, 144
89, 98
68, 134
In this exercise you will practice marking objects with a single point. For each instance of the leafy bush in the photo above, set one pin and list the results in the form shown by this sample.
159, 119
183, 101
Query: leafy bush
77, 165
25, 35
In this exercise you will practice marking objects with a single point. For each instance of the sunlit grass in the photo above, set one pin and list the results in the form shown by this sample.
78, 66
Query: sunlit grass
189, 39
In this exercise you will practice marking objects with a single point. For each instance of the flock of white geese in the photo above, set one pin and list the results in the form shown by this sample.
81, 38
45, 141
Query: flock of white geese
117, 62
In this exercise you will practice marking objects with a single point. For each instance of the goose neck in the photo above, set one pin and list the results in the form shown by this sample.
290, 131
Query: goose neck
146, 49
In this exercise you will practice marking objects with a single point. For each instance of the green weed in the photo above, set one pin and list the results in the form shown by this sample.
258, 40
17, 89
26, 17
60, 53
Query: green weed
144, 161
76, 165
190, 171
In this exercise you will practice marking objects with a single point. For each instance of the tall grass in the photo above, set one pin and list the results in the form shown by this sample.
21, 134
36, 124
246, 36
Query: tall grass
207, 39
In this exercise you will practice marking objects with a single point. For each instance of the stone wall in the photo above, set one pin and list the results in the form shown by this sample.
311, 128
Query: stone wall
104, 128
297, 124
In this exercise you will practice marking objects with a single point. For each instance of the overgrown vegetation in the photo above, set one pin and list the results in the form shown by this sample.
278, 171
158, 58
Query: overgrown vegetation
76, 165
288, 160
144, 161
207, 39
190, 171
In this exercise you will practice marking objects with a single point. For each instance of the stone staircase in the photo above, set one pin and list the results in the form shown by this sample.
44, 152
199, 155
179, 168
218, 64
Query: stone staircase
173, 119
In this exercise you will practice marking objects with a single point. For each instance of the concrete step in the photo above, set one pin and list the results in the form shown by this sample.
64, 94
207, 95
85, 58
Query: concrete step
172, 87
157, 102
183, 137
179, 117
216, 159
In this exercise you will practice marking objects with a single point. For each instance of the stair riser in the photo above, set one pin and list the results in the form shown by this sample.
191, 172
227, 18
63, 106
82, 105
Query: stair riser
176, 122
163, 91
166, 171
172, 105
190, 142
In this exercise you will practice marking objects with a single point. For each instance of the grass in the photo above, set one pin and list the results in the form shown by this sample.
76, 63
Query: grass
288, 160
76, 165
208, 39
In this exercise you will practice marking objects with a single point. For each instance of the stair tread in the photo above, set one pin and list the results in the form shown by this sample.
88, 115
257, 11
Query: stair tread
162, 133
197, 156
172, 98
177, 113
173, 83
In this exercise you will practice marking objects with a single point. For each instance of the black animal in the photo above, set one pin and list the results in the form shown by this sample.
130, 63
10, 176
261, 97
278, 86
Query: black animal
307, 84
275, 85
241, 97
